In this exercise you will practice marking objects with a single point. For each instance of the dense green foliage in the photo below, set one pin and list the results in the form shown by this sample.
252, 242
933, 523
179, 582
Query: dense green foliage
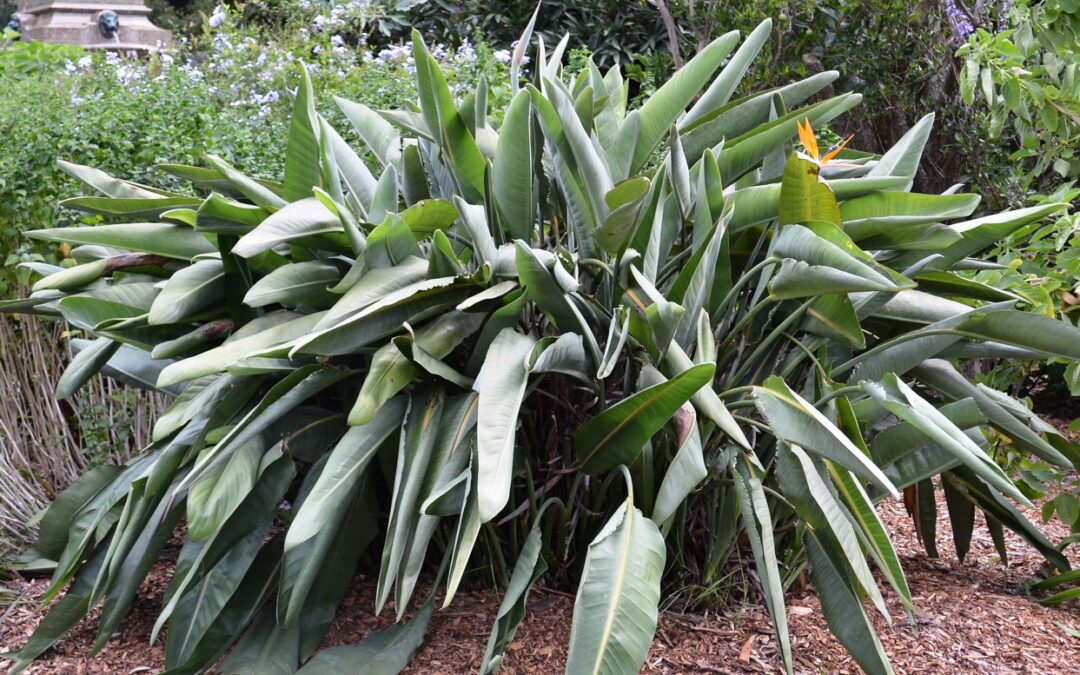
1027, 77
623, 342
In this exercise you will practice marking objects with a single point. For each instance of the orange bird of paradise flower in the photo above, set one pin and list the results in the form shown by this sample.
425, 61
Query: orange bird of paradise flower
809, 142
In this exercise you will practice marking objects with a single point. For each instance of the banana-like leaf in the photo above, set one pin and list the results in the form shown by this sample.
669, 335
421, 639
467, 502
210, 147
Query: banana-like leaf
106, 184
391, 370
171, 241
281, 399
615, 610
876, 539
134, 207
721, 88
418, 435
617, 435
944, 378
758, 521
686, 470
372, 286
880, 211
501, 383
385, 652
62, 617
797, 421
899, 399
187, 291
842, 609
216, 495
804, 245
512, 170
379, 135
87, 363
746, 151
807, 490
257, 191
239, 537
241, 609
740, 116
902, 159
200, 606
265, 649
302, 283
303, 169
306, 217
342, 473
440, 113
705, 399
662, 108
804, 197
412, 303
530, 566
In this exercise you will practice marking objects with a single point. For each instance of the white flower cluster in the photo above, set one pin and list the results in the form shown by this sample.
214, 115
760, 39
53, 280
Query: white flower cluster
342, 15
218, 17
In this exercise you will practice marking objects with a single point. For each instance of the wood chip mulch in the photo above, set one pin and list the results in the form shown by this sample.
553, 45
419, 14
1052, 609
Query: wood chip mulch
973, 618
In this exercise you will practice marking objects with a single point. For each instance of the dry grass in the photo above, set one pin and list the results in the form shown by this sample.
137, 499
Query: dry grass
45, 444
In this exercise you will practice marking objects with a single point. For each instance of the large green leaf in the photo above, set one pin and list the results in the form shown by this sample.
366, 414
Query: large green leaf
216, 495
899, 399
758, 520
512, 169
87, 363
385, 652
879, 211
732, 74
303, 170
662, 108
220, 358
391, 370
342, 473
132, 207
164, 239
303, 218
412, 303
302, 283
379, 135
106, 184
440, 113
418, 435
501, 384
187, 291
687, 468
530, 566
797, 421
804, 197
807, 490
265, 649
842, 609
615, 610
738, 117
617, 435
902, 159
62, 617
746, 151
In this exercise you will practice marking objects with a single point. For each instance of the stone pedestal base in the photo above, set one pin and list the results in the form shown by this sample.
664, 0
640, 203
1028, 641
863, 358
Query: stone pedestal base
80, 22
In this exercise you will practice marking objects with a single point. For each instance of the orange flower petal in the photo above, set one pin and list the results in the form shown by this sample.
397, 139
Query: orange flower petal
807, 138
836, 151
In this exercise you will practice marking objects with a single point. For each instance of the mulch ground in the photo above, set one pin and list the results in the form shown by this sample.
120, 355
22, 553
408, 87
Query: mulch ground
973, 618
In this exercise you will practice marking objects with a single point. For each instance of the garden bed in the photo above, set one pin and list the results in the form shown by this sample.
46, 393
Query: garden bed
973, 617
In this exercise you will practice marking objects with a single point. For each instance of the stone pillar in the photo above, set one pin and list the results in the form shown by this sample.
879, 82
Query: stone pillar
118, 25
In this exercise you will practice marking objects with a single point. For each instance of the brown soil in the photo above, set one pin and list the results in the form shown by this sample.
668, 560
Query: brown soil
973, 618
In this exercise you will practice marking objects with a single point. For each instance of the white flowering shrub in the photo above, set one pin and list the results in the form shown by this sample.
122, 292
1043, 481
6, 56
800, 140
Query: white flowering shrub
127, 115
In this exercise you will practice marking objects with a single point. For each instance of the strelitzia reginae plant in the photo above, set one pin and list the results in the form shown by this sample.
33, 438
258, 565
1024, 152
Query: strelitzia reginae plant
614, 345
